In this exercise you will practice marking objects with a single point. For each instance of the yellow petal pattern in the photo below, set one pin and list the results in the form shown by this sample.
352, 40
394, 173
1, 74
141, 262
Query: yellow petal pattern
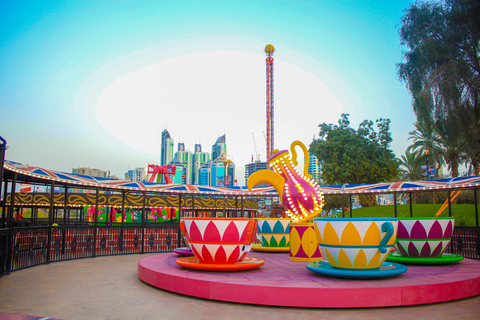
350, 236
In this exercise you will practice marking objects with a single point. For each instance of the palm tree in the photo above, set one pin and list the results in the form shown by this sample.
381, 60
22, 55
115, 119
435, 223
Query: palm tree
411, 162
452, 141
469, 115
426, 142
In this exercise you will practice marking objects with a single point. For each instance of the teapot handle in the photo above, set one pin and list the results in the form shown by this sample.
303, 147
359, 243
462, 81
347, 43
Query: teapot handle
306, 155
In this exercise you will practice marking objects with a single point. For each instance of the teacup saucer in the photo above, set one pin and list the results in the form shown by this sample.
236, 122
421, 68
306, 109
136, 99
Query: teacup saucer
183, 251
387, 269
246, 264
446, 258
259, 247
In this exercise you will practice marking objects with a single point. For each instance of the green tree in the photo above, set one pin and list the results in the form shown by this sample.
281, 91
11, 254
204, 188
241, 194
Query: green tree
410, 168
426, 143
351, 156
410, 165
442, 72
453, 143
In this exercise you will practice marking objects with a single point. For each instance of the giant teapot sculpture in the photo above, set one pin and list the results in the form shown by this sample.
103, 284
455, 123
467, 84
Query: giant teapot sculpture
299, 194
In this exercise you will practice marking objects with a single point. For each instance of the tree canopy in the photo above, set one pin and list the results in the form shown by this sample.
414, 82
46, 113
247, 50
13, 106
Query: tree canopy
351, 156
441, 69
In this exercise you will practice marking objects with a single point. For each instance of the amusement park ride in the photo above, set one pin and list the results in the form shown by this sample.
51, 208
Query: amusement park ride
269, 50
157, 171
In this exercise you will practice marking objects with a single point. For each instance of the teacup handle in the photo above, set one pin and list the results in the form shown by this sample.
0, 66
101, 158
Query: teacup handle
251, 231
182, 227
388, 228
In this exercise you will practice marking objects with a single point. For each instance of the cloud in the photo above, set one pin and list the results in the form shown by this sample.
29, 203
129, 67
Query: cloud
201, 96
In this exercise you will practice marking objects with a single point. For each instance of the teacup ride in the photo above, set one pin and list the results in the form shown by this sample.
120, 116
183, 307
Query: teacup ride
356, 247
300, 197
219, 244
184, 251
423, 241
273, 235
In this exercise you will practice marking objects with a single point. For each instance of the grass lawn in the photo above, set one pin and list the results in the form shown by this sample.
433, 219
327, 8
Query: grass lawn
464, 213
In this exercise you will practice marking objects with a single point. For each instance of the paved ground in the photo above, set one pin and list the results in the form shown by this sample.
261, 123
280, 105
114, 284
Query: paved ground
108, 288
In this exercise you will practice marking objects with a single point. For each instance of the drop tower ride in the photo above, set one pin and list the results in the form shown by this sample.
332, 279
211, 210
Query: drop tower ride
269, 50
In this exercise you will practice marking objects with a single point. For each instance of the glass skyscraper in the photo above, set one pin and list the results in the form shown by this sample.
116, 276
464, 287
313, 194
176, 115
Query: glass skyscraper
198, 168
166, 154
166, 148
315, 168
183, 162
199, 159
219, 148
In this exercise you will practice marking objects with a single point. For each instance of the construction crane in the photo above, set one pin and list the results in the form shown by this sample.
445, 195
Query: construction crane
257, 155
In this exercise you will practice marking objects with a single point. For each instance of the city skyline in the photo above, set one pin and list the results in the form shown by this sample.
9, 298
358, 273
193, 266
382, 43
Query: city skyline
93, 84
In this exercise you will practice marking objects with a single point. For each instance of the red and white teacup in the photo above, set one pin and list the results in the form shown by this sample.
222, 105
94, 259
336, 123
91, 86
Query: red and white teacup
219, 240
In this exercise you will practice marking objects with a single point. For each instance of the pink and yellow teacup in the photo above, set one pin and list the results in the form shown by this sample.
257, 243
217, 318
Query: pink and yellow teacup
356, 243
219, 240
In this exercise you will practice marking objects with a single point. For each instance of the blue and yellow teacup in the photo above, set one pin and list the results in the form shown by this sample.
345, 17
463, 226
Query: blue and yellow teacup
356, 243
274, 232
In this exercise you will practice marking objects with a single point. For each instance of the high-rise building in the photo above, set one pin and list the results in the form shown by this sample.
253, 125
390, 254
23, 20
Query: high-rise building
315, 168
199, 168
166, 154
219, 148
222, 172
183, 162
180, 173
199, 159
166, 148
205, 173
253, 167
137, 174
91, 172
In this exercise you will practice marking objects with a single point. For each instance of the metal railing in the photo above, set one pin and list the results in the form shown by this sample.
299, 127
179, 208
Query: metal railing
26, 247
32, 246
466, 242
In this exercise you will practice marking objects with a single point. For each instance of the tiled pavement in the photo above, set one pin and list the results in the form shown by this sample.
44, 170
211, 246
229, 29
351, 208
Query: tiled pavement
108, 288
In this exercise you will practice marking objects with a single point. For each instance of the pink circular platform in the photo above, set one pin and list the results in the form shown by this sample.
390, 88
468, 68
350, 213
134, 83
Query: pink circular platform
281, 282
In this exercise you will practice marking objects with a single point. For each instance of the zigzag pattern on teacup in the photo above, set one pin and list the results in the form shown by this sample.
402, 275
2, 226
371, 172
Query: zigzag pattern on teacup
357, 258
346, 233
422, 248
218, 231
218, 254
425, 229
274, 240
273, 226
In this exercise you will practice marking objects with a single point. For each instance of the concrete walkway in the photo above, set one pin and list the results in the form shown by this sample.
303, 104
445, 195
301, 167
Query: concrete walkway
108, 288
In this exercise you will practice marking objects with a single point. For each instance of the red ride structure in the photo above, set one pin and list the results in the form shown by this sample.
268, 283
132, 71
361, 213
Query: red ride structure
158, 171
269, 50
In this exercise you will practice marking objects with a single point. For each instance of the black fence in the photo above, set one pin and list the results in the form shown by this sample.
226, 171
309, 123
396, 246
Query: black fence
466, 242
4, 250
32, 246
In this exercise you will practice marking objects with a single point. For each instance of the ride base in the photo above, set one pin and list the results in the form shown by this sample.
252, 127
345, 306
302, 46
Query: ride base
281, 282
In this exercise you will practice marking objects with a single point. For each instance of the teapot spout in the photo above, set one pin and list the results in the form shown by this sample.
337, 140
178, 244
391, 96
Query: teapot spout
267, 176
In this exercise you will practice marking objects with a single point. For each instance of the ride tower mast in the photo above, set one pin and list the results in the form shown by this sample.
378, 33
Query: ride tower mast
269, 50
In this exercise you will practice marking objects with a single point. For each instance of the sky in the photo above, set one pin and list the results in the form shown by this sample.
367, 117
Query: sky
94, 83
